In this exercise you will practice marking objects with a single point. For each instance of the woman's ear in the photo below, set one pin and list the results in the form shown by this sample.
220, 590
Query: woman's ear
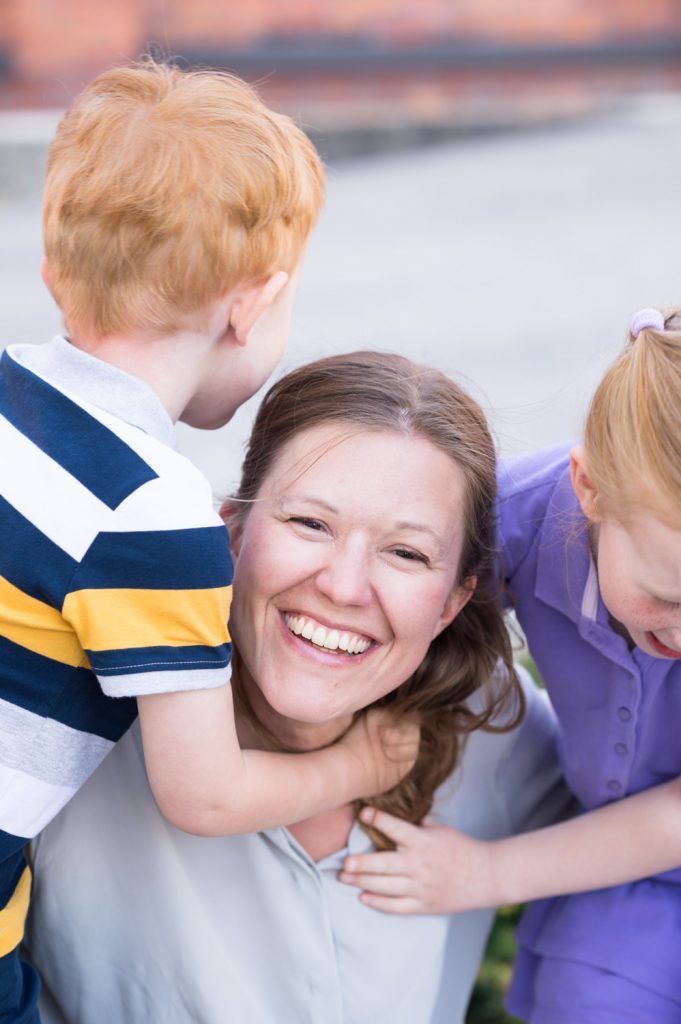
231, 517
458, 599
587, 495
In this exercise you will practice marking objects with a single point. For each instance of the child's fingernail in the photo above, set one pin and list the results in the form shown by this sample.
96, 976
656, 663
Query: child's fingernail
350, 865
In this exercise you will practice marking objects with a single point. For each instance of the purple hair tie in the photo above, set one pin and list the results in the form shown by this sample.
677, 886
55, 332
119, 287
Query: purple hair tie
645, 318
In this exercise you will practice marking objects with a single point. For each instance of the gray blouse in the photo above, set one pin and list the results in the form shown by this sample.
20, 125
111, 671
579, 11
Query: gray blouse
135, 922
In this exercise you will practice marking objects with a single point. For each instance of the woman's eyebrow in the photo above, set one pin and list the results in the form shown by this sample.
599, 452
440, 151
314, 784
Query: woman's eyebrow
309, 499
404, 524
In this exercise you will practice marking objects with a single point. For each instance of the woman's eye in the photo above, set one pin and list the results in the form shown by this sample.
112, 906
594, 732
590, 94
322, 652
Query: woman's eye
310, 524
410, 556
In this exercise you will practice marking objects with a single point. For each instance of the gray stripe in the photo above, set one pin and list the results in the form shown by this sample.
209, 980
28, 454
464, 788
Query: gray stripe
142, 684
48, 750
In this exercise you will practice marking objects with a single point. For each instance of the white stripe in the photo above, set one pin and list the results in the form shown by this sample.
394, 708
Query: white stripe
181, 503
45, 494
48, 750
181, 497
142, 684
28, 804
160, 457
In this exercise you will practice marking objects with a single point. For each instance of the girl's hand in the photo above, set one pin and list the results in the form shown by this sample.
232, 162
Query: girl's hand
434, 870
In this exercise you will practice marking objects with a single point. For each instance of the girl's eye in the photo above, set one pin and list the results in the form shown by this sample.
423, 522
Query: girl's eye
410, 556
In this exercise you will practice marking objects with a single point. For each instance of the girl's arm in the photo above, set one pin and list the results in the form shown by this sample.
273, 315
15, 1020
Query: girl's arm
437, 870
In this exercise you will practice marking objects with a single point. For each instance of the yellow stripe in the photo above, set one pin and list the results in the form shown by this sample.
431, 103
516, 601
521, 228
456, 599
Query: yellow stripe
13, 915
37, 626
113, 620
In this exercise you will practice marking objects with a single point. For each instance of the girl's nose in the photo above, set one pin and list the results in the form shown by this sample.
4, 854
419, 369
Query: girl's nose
345, 578
674, 638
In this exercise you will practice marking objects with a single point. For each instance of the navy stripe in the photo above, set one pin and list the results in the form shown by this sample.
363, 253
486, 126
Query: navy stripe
19, 987
85, 448
12, 864
159, 659
161, 560
32, 562
68, 695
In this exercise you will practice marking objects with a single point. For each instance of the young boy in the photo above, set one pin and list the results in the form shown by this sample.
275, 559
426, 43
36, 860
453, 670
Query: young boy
177, 208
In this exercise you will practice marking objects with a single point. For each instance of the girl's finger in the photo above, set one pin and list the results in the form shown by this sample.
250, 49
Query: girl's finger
386, 863
382, 885
401, 832
392, 905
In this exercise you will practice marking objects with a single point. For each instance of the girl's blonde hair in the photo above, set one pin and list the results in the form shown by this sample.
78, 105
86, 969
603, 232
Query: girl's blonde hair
378, 391
164, 190
632, 437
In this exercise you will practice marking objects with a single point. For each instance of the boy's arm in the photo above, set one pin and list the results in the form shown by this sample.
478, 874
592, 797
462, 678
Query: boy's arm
150, 610
205, 784
440, 870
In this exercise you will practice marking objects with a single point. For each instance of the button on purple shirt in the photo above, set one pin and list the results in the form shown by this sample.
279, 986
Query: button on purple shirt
619, 711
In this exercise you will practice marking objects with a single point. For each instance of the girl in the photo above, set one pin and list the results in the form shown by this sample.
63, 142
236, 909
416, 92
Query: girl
591, 552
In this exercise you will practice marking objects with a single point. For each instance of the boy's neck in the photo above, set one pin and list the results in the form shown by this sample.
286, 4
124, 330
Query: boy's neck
170, 365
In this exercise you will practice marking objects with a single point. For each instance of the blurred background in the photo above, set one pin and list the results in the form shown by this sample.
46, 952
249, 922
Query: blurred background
504, 186
503, 178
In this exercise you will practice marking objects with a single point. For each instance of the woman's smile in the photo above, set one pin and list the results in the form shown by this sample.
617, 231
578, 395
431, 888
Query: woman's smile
330, 639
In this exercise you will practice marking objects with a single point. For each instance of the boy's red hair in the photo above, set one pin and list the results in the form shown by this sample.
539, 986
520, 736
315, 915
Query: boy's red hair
164, 190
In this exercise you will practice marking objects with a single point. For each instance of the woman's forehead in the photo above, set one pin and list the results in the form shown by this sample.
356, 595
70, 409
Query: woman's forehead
349, 465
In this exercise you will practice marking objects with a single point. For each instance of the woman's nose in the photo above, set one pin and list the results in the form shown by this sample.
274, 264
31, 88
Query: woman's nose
345, 578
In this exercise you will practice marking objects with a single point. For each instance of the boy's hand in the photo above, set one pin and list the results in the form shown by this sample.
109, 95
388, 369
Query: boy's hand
385, 748
434, 870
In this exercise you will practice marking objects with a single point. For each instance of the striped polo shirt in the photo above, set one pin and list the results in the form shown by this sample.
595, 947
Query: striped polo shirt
115, 581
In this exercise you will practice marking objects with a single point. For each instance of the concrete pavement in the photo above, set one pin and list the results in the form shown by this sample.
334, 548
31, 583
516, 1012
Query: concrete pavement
513, 260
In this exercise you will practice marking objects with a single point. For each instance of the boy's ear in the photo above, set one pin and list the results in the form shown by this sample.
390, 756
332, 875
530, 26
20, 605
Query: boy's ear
45, 273
587, 495
252, 300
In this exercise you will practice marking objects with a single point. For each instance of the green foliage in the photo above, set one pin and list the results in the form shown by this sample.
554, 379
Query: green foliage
495, 973
527, 662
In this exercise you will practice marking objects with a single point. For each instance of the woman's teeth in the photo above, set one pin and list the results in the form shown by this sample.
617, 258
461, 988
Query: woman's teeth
330, 639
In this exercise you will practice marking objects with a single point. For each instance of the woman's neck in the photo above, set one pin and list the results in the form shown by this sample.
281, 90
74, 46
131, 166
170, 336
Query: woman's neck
259, 726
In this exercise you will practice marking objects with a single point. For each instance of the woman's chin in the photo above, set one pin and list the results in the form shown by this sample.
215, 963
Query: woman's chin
305, 712
315, 722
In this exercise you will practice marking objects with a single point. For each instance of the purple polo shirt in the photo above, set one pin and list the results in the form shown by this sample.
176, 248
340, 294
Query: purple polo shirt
620, 717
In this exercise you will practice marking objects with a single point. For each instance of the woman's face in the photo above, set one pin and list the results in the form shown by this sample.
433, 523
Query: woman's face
346, 569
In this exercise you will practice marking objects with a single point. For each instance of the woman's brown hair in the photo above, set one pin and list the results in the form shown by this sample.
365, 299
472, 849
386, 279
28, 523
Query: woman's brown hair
378, 391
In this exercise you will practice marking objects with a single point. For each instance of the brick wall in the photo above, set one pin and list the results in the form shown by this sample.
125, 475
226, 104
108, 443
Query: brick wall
71, 39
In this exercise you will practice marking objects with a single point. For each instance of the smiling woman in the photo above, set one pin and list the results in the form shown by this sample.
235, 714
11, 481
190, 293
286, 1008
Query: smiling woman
362, 534
365, 508
349, 602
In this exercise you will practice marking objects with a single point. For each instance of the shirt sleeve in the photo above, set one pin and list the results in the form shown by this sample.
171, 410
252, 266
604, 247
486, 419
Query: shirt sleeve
150, 609
525, 486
